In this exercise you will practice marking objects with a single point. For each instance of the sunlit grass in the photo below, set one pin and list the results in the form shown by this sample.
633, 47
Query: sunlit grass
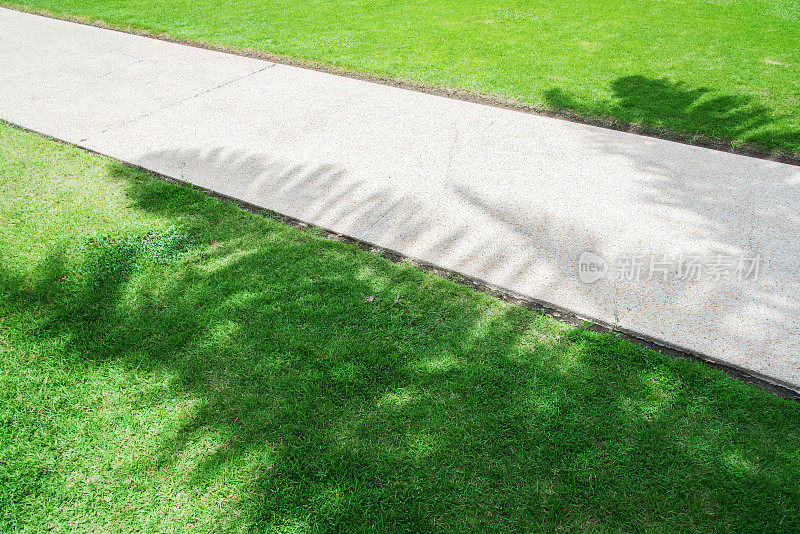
171, 363
723, 68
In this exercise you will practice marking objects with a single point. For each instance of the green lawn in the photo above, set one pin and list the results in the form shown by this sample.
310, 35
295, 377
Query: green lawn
172, 363
724, 68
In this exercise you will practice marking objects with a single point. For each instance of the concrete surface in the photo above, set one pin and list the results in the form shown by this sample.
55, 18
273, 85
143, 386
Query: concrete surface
508, 197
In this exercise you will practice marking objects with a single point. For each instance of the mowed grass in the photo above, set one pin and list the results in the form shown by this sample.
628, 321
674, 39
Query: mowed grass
172, 363
728, 69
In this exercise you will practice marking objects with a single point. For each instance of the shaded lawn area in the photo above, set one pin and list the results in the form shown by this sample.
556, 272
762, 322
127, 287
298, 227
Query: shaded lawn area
172, 363
729, 69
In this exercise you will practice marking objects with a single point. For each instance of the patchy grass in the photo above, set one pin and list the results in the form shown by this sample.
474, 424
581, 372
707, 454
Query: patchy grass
171, 363
728, 69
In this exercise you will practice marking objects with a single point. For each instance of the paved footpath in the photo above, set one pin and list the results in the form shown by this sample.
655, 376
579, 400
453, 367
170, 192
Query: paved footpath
508, 197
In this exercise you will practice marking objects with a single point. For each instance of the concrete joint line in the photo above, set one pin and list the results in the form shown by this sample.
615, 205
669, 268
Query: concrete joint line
121, 67
453, 151
181, 101
99, 76
389, 210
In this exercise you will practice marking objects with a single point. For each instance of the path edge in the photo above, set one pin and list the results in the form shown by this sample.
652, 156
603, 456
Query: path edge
466, 95
777, 386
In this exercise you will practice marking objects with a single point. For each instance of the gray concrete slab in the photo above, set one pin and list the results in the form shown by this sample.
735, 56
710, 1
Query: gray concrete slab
509, 197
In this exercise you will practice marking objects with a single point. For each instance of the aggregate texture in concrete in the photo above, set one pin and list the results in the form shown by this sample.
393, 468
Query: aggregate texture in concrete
691, 246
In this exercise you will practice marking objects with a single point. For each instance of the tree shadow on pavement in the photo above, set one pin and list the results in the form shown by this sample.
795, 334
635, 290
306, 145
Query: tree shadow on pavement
446, 410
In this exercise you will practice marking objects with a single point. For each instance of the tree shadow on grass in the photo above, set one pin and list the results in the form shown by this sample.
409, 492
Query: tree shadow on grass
676, 107
447, 410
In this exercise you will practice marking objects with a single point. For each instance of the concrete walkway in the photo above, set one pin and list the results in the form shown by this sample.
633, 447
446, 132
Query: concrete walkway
508, 197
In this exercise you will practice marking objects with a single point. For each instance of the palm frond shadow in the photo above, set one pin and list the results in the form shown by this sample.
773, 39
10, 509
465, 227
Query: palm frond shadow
447, 410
